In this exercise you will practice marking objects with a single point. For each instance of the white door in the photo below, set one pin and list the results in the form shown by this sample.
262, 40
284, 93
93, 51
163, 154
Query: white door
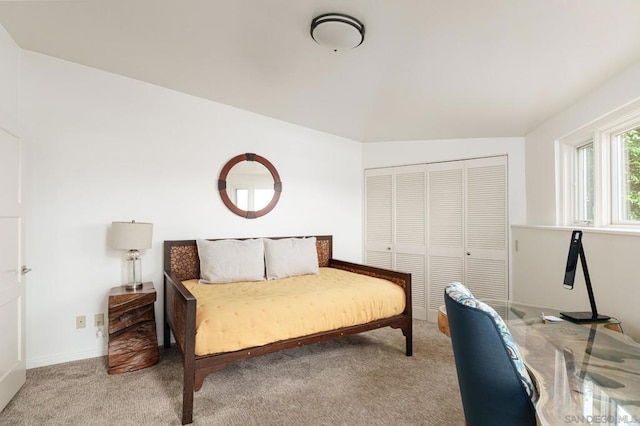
410, 232
12, 293
486, 227
395, 226
467, 228
379, 218
445, 248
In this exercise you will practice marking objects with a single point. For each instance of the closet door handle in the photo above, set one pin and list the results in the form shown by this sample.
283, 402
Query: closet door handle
468, 253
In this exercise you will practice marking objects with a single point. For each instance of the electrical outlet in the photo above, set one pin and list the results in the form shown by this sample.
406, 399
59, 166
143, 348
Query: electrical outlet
99, 320
81, 321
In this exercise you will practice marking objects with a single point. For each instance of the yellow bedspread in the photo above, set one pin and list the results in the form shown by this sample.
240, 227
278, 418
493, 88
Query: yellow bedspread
230, 317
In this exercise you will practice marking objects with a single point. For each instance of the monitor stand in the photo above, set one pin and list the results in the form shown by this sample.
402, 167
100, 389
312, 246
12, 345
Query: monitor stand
583, 316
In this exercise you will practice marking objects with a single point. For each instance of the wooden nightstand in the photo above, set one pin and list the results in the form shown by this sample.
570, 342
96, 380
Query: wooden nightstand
133, 342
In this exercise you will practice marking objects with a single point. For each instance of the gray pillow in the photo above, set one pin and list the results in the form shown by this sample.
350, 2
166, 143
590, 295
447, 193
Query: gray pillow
289, 257
227, 261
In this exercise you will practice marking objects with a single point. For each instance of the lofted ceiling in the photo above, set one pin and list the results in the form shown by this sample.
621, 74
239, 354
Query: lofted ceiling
428, 69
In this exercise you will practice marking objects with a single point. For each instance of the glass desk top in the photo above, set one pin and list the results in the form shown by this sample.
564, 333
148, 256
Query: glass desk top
586, 373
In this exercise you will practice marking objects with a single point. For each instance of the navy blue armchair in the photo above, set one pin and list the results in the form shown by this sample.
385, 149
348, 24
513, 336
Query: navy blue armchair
495, 387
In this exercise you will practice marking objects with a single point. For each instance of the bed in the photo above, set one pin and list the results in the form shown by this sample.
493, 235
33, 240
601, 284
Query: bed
182, 267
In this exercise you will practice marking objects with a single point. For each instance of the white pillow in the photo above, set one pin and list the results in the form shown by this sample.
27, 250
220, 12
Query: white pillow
227, 261
290, 257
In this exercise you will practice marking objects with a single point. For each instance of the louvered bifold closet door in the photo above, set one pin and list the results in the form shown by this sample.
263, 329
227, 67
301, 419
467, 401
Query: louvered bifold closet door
486, 228
445, 230
410, 232
379, 217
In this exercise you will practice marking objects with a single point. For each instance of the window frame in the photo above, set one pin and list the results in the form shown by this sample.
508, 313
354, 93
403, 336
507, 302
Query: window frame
616, 157
601, 132
579, 201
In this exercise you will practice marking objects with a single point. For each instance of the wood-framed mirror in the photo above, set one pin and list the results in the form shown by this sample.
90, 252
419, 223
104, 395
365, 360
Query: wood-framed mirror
249, 185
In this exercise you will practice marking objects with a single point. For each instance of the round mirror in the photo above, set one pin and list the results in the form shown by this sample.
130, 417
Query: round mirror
249, 185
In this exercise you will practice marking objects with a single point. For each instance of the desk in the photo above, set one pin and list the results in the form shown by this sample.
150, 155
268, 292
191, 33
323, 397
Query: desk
586, 373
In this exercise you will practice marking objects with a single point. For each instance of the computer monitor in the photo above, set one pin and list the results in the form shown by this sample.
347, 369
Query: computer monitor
576, 250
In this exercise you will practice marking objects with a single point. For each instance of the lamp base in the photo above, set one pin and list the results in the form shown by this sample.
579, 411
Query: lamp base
583, 317
132, 286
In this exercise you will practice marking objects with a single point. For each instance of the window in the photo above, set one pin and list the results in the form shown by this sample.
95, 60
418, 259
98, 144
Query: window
252, 199
242, 199
585, 192
626, 191
262, 198
599, 172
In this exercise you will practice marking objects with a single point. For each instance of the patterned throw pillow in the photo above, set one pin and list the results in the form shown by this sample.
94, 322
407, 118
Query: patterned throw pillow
461, 294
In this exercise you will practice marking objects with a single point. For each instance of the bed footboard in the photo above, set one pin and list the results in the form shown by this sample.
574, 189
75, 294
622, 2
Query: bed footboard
400, 278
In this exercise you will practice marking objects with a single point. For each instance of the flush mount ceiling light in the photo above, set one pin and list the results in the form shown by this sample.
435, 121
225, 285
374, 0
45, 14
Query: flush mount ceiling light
337, 31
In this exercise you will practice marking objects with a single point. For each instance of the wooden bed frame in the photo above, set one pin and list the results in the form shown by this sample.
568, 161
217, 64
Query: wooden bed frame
181, 263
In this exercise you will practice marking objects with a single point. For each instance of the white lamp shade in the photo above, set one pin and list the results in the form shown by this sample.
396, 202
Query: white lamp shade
131, 235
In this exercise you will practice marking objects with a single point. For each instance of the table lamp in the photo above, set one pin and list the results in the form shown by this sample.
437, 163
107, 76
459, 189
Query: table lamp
132, 236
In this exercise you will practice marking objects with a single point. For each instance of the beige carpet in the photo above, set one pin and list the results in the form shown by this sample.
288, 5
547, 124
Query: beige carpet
359, 380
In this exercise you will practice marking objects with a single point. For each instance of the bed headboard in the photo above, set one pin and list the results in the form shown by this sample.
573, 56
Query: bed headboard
181, 257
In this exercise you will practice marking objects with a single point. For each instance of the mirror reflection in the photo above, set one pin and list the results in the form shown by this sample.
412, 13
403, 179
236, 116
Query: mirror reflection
249, 185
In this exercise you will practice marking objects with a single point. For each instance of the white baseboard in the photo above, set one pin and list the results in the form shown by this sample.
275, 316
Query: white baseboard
66, 357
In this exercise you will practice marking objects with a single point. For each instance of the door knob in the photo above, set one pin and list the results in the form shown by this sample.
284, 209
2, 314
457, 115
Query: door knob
25, 270
468, 253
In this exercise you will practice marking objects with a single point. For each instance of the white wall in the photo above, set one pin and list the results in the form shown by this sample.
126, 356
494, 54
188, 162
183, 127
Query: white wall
539, 269
9, 83
103, 148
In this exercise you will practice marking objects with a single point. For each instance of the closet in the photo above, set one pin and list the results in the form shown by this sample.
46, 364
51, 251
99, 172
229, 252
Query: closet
441, 222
